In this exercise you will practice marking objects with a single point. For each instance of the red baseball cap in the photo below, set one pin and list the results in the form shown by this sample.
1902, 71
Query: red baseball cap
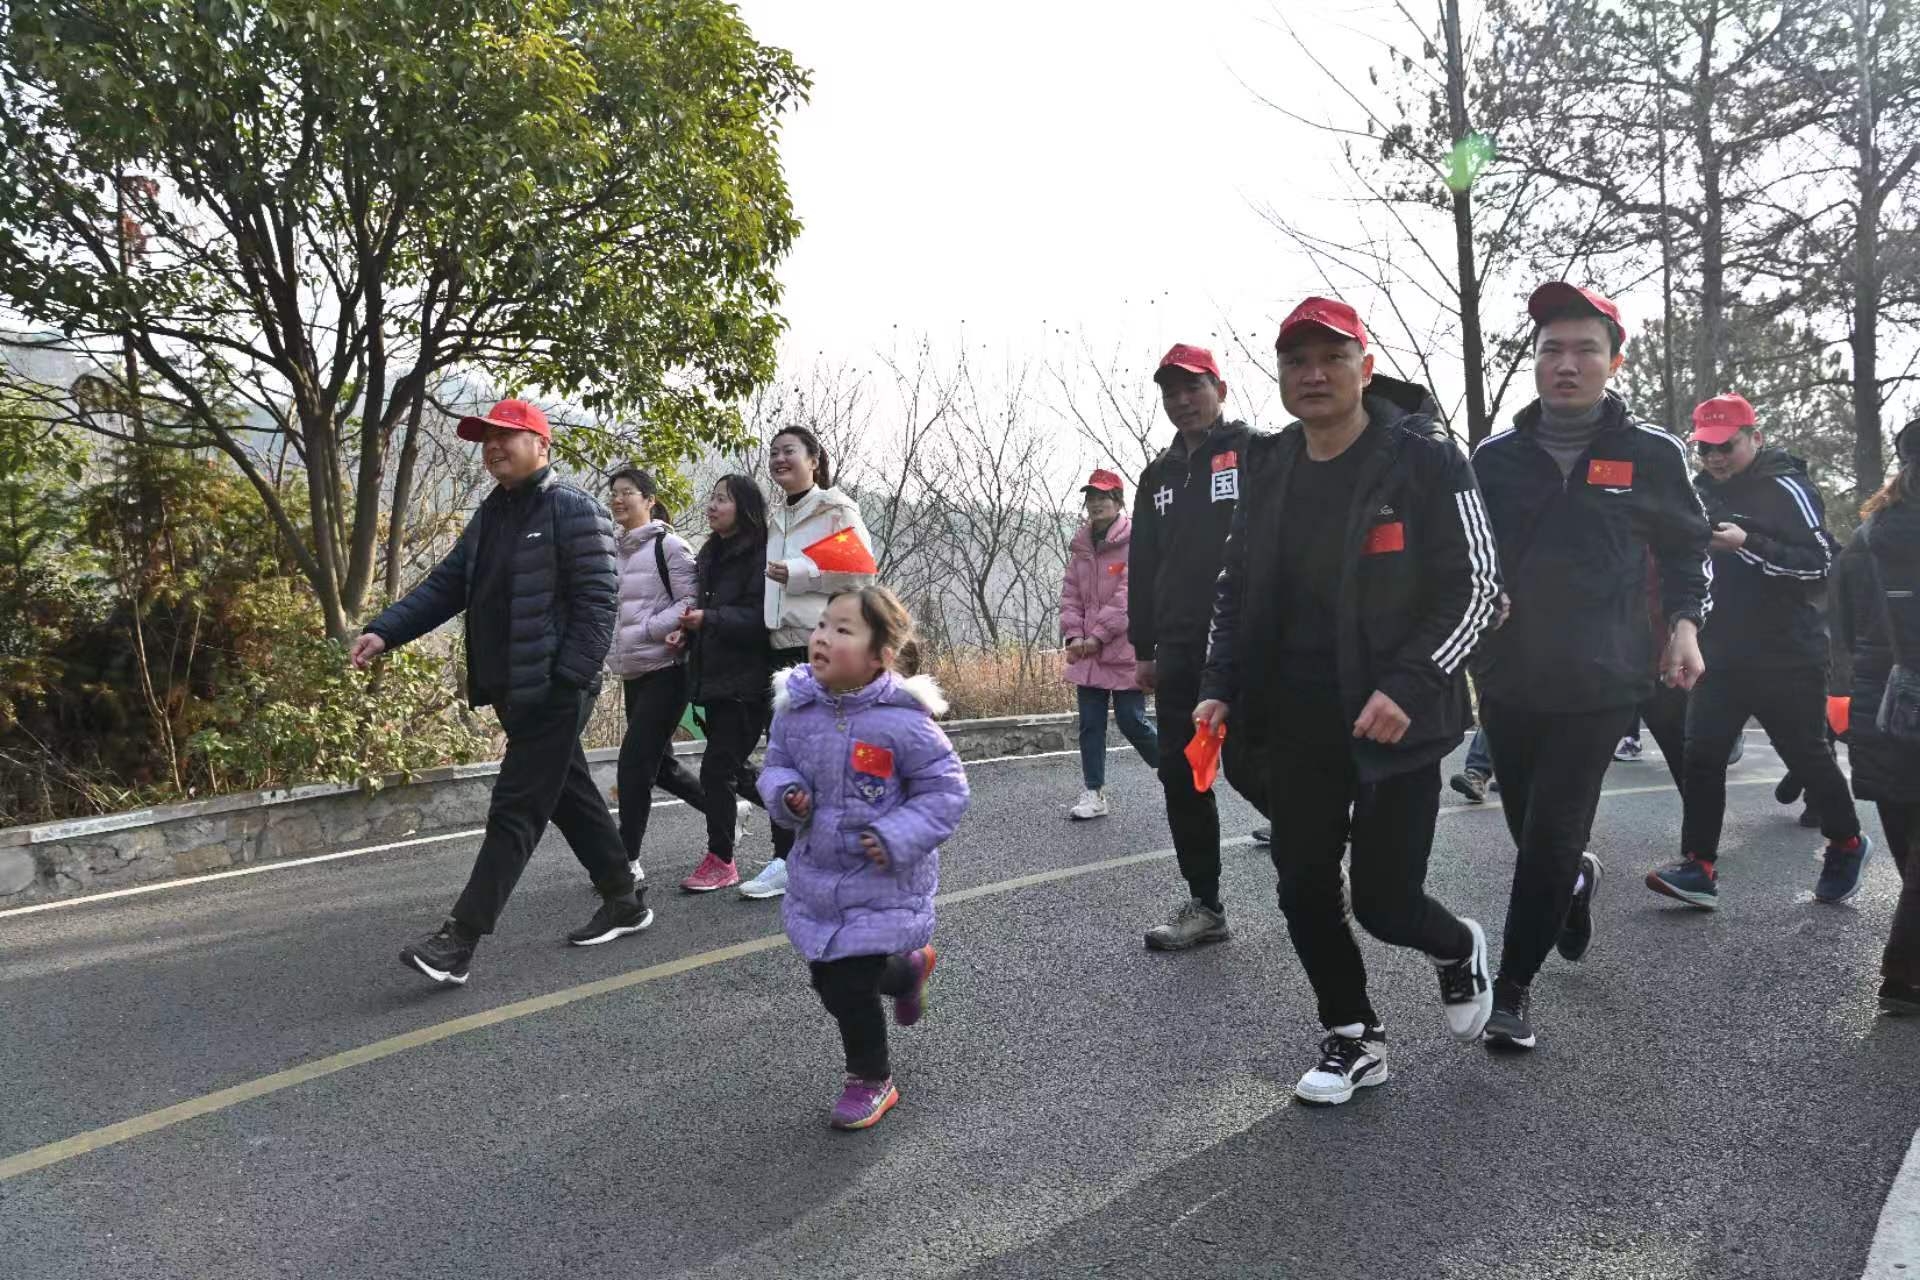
1325, 314
1558, 295
1103, 481
515, 415
1192, 359
1720, 419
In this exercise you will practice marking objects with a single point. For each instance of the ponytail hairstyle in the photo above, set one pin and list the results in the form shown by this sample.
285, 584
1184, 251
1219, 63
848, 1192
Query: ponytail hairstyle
885, 616
643, 481
822, 469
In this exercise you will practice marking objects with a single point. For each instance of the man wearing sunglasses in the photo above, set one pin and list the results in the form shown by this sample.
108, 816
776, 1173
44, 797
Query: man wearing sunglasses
1766, 651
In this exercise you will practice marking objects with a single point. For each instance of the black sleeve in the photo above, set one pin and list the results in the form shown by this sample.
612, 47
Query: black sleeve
1678, 535
1143, 565
590, 578
1843, 627
1221, 676
440, 596
1460, 572
1803, 548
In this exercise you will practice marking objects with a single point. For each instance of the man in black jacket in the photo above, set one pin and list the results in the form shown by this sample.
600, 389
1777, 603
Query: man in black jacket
1181, 511
1359, 575
534, 573
1766, 650
1578, 492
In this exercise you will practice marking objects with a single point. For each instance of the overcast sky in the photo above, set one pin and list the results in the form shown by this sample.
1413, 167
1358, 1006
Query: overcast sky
1033, 168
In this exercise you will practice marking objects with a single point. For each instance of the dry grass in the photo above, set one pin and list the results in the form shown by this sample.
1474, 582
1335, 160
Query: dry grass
984, 683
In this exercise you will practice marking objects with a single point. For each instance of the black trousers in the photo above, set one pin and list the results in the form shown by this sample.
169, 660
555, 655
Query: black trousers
1551, 766
733, 728
1192, 815
1665, 716
655, 702
1312, 780
851, 988
1791, 706
1901, 960
543, 777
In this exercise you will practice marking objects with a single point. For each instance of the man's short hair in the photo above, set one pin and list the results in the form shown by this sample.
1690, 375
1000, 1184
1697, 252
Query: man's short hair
1616, 337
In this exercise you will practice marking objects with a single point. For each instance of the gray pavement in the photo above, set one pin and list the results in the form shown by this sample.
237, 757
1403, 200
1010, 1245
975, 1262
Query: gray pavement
1713, 1095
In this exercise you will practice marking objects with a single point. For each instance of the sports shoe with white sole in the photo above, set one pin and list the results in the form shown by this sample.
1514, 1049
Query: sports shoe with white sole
616, 918
770, 883
1466, 988
1509, 1027
442, 955
1576, 935
1351, 1057
1091, 804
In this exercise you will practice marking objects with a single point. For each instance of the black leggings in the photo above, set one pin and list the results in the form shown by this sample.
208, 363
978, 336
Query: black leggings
851, 988
733, 729
655, 702
1901, 961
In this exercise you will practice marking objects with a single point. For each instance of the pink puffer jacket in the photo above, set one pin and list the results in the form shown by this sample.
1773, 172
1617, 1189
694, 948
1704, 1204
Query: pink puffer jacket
1093, 606
649, 607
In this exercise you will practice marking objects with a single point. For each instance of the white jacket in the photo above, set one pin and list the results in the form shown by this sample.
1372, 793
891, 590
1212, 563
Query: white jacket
792, 609
649, 608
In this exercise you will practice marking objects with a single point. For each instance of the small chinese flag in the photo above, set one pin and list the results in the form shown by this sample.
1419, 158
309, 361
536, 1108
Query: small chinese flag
1612, 474
841, 552
869, 759
1383, 538
1203, 753
1839, 715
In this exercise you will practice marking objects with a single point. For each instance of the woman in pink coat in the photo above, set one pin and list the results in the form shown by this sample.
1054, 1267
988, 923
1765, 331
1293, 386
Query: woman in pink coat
1093, 623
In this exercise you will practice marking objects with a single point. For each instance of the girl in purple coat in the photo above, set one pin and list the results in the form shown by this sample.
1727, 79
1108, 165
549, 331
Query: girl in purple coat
1093, 625
856, 765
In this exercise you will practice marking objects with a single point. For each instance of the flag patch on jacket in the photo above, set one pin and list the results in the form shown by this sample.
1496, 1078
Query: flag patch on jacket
1116, 569
1386, 537
871, 760
1614, 475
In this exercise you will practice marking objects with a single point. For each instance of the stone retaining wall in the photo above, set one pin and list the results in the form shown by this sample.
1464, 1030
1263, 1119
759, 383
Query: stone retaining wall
87, 855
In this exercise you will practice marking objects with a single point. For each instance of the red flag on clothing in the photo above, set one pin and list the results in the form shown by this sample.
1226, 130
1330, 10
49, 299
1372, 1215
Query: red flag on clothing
841, 552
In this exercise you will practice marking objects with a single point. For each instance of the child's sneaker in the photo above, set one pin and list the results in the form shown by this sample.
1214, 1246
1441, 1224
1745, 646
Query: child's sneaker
711, 874
863, 1102
908, 1008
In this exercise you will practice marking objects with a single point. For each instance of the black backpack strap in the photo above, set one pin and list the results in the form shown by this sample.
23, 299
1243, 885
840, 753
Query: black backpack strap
660, 560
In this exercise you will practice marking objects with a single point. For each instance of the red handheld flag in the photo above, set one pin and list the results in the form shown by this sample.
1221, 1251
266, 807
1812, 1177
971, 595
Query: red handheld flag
1203, 753
841, 552
1839, 715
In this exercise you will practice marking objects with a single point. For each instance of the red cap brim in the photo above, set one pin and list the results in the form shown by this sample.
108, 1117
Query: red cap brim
1298, 327
1718, 434
475, 428
1175, 364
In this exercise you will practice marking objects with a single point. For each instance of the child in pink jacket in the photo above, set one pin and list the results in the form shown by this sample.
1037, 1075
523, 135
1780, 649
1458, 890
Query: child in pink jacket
1093, 623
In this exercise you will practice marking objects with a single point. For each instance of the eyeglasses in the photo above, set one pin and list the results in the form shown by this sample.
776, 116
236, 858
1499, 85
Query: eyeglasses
1708, 450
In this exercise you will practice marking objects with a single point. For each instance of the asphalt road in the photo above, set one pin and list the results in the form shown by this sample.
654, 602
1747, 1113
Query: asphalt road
1713, 1095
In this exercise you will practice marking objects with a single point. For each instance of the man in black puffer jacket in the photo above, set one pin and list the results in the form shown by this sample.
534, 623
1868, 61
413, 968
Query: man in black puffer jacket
534, 573
1766, 650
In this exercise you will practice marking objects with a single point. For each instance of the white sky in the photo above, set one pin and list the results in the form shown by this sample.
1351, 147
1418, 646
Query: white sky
1056, 165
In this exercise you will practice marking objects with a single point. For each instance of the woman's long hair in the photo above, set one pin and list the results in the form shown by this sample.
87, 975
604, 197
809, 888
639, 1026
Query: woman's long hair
749, 518
1905, 485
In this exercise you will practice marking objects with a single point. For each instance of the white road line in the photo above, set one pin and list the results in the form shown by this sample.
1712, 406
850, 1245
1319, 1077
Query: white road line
391, 845
1895, 1253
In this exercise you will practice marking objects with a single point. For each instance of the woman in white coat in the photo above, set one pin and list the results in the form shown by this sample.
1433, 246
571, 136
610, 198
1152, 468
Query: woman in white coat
805, 511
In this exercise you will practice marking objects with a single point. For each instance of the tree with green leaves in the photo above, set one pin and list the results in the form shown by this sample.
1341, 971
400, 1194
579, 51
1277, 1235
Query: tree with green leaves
281, 224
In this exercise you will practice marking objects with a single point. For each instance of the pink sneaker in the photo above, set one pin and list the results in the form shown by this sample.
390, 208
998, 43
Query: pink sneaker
908, 1008
711, 874
863, 1102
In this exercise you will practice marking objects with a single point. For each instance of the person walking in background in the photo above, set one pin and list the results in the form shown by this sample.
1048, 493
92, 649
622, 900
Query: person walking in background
1475, 778
1766, 649
857, 767
803, 526
725, 634
1875, 613
534, 574
1093, 624
1181, 514
1578, 492
656, 586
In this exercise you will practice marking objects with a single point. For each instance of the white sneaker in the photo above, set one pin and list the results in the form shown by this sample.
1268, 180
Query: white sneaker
1351, 1057
1466, 988
1628, 750
1091, 804
740, 811
770, 883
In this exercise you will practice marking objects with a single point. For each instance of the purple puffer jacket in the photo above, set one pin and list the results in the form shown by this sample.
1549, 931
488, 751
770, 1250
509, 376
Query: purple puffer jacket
872, 760
1093, 606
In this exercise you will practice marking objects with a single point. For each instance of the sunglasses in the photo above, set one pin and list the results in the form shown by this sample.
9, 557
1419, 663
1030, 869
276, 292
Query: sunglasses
1708, 450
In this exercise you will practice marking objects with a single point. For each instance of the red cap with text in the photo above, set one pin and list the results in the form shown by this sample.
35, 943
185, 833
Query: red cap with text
1103, 481
1192, 359
1324, 315
1720, 419
1557, 295
515, 415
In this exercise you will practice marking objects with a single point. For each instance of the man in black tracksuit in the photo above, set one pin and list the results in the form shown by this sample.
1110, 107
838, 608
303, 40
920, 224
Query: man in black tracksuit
1766, 648
1181, 511
534, 573
1579, 493
1360, 574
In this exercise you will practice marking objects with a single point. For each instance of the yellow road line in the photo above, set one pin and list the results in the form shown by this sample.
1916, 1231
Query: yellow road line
220, 1100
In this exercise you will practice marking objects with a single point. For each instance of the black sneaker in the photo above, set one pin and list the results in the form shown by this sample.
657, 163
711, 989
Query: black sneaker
442, 955
1350, 1058
1263, 835
1470, 783
1465, 988
1508, 1028
1788, 790
1576, 935
616, 918
1898, 998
